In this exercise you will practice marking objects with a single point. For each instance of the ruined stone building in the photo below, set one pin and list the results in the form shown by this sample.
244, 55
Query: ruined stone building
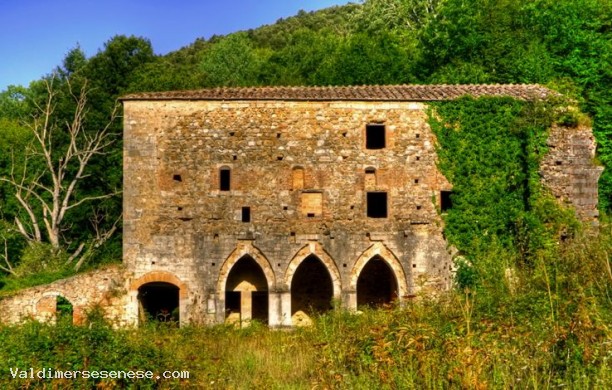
278, 203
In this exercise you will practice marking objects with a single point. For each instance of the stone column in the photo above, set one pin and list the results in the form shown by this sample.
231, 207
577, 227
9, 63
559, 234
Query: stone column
246, 308
274, 309
286, 308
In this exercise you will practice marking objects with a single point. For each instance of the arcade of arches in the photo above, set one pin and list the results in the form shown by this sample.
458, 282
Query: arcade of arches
248, 290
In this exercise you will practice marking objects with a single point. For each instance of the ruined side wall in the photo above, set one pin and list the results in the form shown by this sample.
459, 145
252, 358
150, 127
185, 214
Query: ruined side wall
177, 219
568, 169
104, 288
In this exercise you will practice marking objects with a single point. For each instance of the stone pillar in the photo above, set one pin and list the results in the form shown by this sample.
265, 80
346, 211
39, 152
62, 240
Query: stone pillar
285, 298
246, 308
350, 300
274, 309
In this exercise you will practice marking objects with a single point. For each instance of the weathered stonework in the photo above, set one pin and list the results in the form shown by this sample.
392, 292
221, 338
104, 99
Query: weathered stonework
568, 169
104, 288
287, 160
272, 203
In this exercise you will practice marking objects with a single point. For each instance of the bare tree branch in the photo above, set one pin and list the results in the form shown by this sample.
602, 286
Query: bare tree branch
45, 197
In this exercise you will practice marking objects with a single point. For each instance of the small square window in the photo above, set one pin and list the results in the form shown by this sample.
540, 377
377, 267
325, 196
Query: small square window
377, 205
375, 136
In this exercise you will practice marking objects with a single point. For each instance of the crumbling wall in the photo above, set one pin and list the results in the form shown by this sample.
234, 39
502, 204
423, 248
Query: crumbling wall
103, 288
569, 171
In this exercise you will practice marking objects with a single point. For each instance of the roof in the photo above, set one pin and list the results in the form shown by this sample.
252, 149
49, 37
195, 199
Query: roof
353, 93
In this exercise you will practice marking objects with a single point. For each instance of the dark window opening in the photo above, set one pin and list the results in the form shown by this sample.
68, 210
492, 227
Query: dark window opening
377, 204
224, 179
375, 136
246, 214
177, 178
376, 285
370, 170
279, 158
445, 200
310, 215
159, 301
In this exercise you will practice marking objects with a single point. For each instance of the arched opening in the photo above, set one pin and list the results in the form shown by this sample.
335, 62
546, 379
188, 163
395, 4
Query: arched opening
311, 288
158, 301
63, 308
377, 285
246, 293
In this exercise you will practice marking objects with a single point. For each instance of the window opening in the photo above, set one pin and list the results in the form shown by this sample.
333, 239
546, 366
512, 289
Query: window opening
375, 136
377, 204
246, 214
177, 178
445, 200
224, 179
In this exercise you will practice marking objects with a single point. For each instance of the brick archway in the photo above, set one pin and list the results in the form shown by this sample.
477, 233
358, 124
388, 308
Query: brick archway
380, 250
160, 276
245, 249
314, 248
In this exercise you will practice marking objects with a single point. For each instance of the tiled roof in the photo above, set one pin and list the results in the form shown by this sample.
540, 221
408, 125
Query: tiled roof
354, 93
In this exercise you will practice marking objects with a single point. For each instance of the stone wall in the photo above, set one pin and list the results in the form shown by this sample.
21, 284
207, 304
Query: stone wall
568, 169
304, 172
103, 288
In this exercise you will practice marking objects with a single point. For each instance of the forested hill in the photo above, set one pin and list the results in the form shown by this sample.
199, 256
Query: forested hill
563, 44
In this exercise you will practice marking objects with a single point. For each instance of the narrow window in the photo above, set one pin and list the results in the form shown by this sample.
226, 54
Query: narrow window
224, 179
377, 204
375, 136
445, 200
370, 177
177, 178
298, 178
246, 214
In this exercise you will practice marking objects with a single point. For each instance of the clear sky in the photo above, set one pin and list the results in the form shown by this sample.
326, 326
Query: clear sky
35, 35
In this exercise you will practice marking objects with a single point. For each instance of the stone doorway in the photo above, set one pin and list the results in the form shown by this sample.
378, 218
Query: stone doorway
311, 290
158, 301
246, 293
377, 285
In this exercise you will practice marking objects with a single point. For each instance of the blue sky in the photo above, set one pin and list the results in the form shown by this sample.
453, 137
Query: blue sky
35, 35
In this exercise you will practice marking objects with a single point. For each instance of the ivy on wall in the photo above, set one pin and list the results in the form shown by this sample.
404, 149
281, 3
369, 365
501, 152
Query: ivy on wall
490, 150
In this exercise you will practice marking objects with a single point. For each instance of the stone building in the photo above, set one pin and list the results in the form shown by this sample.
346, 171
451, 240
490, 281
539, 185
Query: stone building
278, 203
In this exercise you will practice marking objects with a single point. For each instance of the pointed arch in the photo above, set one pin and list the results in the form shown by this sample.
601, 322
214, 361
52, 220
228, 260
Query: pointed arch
380, 250
316, 249
245, 249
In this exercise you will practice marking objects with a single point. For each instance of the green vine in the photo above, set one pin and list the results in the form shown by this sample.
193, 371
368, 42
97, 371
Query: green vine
490, 150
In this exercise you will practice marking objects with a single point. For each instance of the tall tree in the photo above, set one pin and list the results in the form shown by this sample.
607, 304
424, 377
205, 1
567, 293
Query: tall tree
45, 180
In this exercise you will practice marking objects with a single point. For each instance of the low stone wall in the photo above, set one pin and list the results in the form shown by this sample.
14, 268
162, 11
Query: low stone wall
103, 287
